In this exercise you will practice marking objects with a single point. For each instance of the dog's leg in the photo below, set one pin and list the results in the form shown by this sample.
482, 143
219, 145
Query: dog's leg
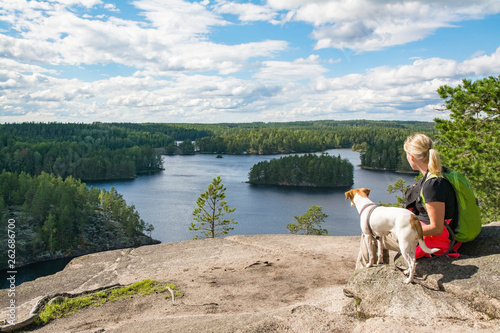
408, 254
369, 246
380, 252
411, 269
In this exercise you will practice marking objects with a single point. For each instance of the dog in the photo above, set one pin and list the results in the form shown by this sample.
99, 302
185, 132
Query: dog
377, 222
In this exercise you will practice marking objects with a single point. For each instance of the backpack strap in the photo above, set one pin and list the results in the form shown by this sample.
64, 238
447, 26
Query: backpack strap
427, 176
447, 226
451, 236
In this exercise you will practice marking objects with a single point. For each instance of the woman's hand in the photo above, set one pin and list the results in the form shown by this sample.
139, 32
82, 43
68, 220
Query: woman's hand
436, 216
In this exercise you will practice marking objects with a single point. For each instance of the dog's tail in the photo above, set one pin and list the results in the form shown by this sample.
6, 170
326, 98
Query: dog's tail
415, 225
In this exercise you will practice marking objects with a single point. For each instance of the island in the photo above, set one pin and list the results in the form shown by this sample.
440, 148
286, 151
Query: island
309, 170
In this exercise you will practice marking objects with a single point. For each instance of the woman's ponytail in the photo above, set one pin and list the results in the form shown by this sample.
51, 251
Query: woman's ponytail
434, 165
421, 147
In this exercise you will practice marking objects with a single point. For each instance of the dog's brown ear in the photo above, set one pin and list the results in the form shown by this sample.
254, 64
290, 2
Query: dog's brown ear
348, 195
366, 191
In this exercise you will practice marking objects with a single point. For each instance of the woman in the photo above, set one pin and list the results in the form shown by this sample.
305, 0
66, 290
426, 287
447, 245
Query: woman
438, 207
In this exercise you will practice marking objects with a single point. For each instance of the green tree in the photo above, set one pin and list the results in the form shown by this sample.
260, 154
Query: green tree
210, 211
170, 149
469, 141
306, 170
399, 186
50, 232
186, 147
310, 222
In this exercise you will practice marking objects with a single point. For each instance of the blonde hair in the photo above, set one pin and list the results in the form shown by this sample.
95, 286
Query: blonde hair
421, 147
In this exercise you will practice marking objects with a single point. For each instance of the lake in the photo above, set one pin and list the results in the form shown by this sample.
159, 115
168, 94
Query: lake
167, 199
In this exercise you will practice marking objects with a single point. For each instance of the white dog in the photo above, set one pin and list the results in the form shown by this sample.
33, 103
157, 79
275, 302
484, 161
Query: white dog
377, 222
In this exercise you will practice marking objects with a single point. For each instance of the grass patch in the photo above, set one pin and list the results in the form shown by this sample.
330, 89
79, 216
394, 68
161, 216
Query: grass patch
65, 306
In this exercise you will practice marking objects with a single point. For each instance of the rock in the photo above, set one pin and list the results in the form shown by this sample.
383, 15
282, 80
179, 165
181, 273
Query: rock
261, 282
101, 233
277, 283
448, 294
486, 243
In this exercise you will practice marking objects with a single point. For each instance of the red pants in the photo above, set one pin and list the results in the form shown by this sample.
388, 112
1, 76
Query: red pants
442, 242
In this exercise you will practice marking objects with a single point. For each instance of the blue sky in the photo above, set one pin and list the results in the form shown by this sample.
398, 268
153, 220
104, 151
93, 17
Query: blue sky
239, 61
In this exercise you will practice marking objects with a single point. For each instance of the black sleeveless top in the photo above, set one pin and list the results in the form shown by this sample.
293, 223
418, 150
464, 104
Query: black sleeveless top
436, 189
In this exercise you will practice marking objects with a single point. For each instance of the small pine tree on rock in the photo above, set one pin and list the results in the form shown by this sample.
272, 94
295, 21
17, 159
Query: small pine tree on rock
210, 212
310, 222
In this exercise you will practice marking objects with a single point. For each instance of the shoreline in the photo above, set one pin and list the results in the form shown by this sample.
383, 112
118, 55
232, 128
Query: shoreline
407, 172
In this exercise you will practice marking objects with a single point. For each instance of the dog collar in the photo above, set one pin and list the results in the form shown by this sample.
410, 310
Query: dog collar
368, 217
366, 206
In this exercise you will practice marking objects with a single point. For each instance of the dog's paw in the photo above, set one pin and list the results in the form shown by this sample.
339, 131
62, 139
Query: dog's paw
368, 265
409, 280
406, 271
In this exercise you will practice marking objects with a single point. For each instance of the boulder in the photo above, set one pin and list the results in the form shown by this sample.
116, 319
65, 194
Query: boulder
486, 243
461, 294
277, 283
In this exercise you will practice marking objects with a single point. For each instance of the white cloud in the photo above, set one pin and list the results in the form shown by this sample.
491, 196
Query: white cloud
369, 25
482, 65
402, 92
179, 18
111, 7
175, 39
296, 70
183, 75
246, 11
83, 3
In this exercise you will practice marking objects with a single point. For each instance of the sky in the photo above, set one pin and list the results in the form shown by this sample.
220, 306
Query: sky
215, 61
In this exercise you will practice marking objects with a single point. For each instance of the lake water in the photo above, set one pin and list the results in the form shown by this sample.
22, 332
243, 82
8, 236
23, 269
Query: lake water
168, 198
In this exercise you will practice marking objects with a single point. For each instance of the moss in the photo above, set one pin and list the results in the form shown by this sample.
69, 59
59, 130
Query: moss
67, 305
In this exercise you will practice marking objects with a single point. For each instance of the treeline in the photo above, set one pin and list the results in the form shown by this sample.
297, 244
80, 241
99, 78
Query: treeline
307, 170
380, 143
81, 160
386, 153
103, 151
83, 151
304, 137
55, 215
111, 135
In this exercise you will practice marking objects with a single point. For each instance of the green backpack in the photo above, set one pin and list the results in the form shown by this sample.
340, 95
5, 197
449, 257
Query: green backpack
468, 224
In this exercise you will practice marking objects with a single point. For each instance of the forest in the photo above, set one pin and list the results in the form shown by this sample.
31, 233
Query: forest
63, 216
380, 142
306, 170
105, 151
84, 151
44, 167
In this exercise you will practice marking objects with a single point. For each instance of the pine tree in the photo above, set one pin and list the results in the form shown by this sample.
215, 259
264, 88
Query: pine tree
186, 147
399, 186
50, 233
470, 141
210, 211
310, 222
